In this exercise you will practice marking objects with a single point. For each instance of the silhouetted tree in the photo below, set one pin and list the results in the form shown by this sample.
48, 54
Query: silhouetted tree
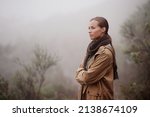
29, 81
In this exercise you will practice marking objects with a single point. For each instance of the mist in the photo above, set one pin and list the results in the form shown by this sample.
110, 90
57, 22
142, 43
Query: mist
61, 27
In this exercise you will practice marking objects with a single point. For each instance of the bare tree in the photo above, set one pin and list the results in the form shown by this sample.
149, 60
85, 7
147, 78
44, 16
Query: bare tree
30, 79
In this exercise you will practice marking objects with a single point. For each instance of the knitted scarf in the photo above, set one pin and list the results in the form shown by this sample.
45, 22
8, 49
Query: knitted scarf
93, 48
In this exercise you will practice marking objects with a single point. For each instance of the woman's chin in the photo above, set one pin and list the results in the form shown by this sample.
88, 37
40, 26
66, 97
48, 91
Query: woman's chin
91, 38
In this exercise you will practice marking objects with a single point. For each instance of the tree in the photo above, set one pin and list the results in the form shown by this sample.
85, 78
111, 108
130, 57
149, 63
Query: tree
35, 79
3, 88
137, 33
29, 81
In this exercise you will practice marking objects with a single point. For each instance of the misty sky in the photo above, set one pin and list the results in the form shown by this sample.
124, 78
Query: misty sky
60, 25
42, 9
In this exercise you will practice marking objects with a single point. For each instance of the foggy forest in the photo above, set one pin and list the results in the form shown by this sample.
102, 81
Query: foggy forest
42, 43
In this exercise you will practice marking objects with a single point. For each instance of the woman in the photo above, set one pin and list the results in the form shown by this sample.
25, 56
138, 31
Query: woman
97, 72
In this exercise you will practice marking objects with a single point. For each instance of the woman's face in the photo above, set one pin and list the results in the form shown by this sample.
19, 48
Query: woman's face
95, 31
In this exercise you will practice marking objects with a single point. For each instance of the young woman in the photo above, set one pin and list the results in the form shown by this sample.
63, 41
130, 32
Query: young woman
97, 72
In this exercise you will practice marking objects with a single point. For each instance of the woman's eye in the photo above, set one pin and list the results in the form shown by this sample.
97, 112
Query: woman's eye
92, 27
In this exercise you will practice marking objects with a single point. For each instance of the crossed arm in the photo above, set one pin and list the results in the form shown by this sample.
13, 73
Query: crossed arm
98, 69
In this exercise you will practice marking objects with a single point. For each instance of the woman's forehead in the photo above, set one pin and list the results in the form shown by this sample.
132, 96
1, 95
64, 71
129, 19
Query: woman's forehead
93, 23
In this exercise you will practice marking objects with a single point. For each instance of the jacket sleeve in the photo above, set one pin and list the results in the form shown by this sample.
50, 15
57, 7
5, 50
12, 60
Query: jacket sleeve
97, 70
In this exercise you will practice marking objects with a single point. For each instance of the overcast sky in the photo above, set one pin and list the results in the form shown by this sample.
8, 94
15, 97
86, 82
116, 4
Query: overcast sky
40, 9
60, 25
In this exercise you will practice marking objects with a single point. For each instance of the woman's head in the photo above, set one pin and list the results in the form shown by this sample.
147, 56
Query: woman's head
98, 26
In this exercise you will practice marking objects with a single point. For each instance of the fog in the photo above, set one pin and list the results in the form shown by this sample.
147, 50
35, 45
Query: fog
61, 26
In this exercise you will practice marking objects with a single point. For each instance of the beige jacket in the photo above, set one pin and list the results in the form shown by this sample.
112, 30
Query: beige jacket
97, 81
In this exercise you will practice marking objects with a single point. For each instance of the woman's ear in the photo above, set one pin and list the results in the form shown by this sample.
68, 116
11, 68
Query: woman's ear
104, 29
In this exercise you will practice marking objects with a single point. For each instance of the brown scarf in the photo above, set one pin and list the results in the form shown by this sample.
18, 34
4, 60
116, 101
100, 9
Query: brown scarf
93, 48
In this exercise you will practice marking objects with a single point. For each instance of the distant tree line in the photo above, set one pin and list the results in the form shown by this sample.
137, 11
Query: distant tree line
29, 82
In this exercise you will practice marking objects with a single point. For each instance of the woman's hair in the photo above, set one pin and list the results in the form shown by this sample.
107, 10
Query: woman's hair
102, 23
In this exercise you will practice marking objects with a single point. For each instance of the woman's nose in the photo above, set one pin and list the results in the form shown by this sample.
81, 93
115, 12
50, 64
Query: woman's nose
89, 31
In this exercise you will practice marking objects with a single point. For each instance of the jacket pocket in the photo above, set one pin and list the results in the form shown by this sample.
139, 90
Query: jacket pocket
92, 94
